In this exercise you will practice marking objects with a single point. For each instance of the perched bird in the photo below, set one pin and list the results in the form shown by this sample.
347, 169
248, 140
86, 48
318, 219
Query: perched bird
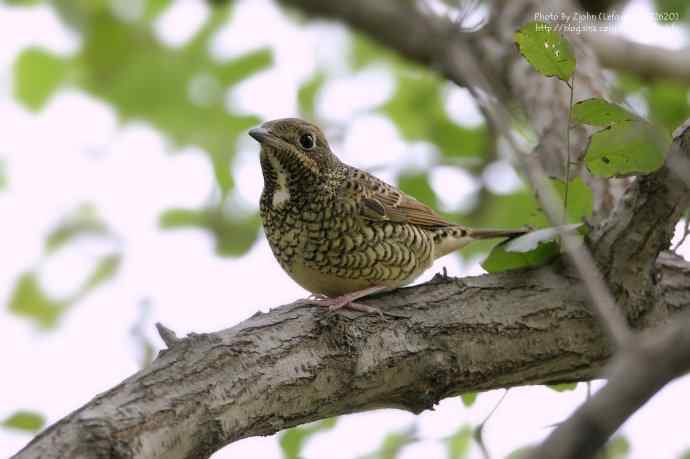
340, 232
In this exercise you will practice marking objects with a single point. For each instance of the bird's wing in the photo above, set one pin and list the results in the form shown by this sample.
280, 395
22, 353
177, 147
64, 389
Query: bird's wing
383, 202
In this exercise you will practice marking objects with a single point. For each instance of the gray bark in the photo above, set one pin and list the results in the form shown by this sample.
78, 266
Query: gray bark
298, 364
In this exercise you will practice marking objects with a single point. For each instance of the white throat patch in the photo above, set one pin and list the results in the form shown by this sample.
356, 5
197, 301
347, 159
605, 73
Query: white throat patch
281, 195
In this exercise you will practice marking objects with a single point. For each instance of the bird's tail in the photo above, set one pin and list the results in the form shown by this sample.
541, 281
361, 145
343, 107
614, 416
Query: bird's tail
456, 237
491, 233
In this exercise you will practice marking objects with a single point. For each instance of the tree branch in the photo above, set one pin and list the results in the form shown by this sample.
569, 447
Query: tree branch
645, 61
660, 356
299, 364
642, 225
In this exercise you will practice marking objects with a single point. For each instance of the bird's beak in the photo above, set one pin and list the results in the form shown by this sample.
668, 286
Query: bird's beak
260, 134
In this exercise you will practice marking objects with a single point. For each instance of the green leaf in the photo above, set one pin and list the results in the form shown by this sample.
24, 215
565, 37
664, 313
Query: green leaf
668, 104
685, 455
84, 222
23, 2
501, 259
28, 421
616, 448
417, 109
3, 175
306, 95
580, 199
459, 443
521, 453
293, 440
29, 300
365, 51
154, 8
234, 234
563, 387
124, 64
392, 444
548, 51
469, 398
668, 9
626, 148
37, 74
105, 269
598, 112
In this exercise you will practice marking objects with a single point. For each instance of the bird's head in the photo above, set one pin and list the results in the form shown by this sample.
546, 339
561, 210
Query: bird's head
294, 156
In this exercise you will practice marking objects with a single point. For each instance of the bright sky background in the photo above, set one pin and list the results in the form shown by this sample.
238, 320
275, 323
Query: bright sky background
74, 151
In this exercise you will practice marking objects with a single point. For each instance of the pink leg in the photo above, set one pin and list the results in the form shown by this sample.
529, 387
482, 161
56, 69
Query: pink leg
346, 301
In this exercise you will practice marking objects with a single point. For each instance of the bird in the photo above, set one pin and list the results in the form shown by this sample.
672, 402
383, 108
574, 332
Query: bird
340, 232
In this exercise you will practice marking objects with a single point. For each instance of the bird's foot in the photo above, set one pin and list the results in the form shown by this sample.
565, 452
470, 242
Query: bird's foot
347, 301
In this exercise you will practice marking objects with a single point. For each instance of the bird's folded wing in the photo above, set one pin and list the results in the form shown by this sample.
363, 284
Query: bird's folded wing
383, 202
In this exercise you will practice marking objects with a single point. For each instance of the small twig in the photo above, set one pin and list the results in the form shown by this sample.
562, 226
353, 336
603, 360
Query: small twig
479, 430
571, 85
658, 357
686, 230
167, 335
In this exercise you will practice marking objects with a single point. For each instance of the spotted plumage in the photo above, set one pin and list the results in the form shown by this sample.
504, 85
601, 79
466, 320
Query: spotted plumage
337, 230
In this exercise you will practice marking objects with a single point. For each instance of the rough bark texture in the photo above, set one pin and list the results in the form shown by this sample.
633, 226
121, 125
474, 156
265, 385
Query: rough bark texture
299, 364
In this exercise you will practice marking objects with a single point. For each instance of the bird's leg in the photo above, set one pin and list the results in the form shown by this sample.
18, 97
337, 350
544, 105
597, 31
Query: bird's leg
346, 301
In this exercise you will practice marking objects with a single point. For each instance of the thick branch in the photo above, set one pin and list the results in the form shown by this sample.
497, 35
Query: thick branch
660, 356
646, 61
298, 364
642, 226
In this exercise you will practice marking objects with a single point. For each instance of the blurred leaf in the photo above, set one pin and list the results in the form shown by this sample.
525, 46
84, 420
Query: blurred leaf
469, 398
616, 448
668, 104
547, 50
685, 455
459, 443
626, 148
234, 71
29, 300
85, 221
417, 185
23, 2
580, 199
365, 51
29, 421
520, 453
598, 112
154, 8
293, 440
124, 64
563, 387
37, 74
681, 7
501, 259
306, 95
105, 269
392, 444
417, 110
3, 175
234, 235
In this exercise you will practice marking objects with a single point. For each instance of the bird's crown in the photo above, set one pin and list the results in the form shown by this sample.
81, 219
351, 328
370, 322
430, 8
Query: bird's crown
292, 140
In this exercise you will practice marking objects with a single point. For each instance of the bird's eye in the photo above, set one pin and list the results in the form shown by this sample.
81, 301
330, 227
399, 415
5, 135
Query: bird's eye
307, 141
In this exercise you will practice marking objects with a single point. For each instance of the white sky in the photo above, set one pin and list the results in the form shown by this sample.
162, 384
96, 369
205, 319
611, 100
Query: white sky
73, 151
